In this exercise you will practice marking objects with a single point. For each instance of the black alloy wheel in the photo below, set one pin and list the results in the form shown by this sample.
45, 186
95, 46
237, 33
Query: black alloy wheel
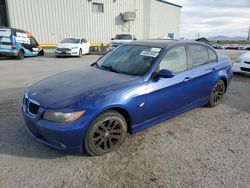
106, 133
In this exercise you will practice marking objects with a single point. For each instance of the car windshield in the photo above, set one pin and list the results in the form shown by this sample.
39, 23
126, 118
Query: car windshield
129, 59
123, 37
71, 40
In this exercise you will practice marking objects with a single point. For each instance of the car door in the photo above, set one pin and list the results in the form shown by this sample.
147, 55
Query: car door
86, 45
82, 46
167, 96
203, 64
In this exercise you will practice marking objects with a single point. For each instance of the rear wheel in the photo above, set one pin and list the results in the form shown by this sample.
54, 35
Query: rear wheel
106, 133
20, 55
217, 94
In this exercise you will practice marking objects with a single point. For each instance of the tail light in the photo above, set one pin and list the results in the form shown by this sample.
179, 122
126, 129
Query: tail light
13, 46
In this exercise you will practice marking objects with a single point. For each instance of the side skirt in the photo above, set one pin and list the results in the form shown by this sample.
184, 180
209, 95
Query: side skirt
146, 124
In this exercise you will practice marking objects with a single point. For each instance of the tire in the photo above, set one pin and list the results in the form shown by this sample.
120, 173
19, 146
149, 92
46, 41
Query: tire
106, 133
20, 55
80, 53
217, 94
41, 53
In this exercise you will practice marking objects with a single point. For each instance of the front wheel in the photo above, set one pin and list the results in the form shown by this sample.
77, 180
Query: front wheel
41, 53
106, 133
80, 53
217, 94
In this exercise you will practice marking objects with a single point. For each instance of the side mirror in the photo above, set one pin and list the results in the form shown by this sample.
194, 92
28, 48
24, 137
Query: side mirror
165, 73
135, 38
112, 38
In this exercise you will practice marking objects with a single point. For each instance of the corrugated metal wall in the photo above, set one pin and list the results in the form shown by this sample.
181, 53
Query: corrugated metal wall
52, 20
164, 20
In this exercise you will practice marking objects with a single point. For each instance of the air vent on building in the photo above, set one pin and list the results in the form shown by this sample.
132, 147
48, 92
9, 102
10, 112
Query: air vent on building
129, 16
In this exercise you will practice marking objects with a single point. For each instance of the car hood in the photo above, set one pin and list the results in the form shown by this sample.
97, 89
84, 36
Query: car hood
68, 88
67, 45
245, 57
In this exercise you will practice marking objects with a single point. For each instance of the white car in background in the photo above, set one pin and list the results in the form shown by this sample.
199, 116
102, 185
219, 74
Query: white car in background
73, 46
242, 64
121, 39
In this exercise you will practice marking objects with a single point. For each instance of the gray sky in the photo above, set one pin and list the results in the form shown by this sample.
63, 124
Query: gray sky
214, 17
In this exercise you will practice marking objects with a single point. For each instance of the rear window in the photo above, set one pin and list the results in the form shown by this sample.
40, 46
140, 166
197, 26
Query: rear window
5, 36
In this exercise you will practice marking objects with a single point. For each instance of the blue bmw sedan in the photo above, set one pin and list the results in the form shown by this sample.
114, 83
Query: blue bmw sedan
131, 88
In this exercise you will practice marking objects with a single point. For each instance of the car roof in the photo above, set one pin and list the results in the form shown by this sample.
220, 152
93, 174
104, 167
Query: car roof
19, 30
72, 38
162, 43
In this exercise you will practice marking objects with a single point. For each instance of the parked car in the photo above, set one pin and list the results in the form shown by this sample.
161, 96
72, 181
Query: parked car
247, 47
232, 47
242, 47
242, 64
121, 39
18, 43
73, 46
133, 87
217, 46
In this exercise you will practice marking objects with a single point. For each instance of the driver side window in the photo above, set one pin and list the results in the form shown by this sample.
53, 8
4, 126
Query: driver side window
175, 60
33, 42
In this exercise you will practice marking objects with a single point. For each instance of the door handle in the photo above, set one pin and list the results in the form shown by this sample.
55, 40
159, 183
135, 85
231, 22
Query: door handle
213, 69
187, 79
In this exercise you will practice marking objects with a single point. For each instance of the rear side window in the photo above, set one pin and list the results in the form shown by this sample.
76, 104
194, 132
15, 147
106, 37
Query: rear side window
175, 60
198, 55
5, 36
212, 55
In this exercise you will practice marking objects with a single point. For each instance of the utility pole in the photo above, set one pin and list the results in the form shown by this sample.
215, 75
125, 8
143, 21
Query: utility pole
248, 38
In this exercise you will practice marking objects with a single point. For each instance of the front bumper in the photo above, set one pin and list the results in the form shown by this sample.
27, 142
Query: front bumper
67, 53
241, 68
66, 138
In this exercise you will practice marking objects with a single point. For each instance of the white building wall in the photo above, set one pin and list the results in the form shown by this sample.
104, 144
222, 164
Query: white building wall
164, 19
52, 20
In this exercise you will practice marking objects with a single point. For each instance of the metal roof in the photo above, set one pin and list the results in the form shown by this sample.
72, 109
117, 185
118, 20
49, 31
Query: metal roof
160, 43
163, 1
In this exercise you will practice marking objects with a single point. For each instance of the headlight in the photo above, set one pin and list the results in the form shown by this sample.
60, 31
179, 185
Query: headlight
75, 47
62, 117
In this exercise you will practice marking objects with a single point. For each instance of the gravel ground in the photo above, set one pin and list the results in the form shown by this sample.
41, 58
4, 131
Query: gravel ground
205, 147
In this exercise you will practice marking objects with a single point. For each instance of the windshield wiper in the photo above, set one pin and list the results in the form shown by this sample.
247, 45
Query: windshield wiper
95, 64
110, 68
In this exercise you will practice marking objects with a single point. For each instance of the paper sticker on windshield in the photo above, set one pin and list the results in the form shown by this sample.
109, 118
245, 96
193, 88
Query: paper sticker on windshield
149, 53
155, 49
